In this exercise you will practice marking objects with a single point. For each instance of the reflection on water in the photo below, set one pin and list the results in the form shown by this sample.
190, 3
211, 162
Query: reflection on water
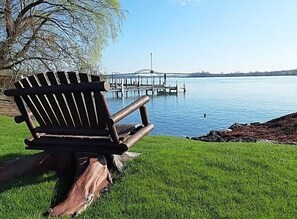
223, 100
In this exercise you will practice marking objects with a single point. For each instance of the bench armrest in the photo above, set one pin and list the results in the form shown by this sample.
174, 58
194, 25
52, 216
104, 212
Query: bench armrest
138, 104
128, 110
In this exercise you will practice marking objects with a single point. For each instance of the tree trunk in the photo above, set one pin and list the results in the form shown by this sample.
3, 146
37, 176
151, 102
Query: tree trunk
92, 176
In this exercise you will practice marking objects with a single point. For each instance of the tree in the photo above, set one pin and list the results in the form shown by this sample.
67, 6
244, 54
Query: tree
48, 35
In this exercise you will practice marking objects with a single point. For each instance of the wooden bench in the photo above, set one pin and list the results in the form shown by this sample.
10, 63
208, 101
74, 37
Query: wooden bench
72, 114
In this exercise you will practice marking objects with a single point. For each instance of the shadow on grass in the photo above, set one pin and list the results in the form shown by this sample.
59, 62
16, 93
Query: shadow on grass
26, 180
9, 157
63, 180
62, 187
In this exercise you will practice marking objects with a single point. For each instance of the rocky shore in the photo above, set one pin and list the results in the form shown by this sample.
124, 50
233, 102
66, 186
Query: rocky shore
279, 130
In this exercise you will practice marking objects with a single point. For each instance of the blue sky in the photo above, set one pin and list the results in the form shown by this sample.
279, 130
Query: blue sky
209, 35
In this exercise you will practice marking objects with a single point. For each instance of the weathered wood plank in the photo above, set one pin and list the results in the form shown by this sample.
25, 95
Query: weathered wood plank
143, 114
53, 102
44, 102
60, 88
89, 100
79, 101
101, 105
137, 136
35, 100
19, 102
70, 101
61, 100
31, 106
72, 131
129, 109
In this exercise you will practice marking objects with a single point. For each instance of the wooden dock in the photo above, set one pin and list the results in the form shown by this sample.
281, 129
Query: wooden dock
139, 85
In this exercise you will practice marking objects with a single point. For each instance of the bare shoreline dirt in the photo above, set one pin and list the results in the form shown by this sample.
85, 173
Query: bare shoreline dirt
279, 130
7, 106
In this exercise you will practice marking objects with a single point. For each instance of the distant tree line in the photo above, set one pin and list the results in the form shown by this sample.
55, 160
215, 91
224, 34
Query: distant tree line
240, 74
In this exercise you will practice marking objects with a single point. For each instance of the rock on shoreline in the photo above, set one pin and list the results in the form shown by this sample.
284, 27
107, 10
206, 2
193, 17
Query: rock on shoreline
279, 130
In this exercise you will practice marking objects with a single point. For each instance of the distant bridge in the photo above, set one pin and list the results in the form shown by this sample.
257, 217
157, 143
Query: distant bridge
146, 71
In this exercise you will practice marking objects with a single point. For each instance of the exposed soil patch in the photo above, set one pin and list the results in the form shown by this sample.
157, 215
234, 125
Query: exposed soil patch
7, 106
281, 130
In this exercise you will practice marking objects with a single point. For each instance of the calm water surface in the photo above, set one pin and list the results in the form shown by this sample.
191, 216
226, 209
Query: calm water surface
224, 100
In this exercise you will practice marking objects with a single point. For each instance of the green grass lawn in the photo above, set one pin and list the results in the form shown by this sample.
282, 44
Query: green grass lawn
173, 178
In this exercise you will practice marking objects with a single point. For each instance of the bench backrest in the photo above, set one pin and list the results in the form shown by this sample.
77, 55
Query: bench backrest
63, 103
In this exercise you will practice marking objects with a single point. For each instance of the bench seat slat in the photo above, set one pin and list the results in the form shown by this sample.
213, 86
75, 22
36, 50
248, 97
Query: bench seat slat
72, 131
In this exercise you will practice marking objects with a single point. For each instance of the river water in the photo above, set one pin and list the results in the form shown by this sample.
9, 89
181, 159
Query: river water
224, 100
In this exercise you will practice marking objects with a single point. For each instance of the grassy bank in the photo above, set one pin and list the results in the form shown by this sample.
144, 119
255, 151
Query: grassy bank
173, 178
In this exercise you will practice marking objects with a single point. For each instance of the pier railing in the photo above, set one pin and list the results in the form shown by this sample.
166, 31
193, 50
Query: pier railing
139, 84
